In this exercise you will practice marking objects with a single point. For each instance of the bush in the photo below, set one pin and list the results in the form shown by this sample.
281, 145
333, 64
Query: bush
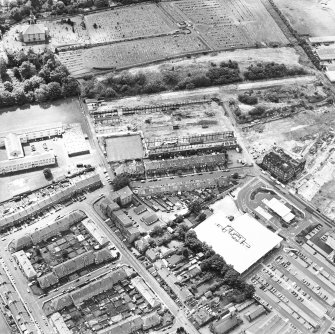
248, 99
262, 71
257, 111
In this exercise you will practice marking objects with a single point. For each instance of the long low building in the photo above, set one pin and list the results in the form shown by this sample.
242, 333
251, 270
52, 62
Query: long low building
86, 292
322, 40
187, 163
161, 146
59, 324
25, 264
47, 231
99, 236
88, 181
34, 133
28, 162
241, 242
146, 292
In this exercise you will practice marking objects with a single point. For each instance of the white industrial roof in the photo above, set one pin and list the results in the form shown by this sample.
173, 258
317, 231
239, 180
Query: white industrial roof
263, 213
241, 242
322, 39
279, 208
331, 75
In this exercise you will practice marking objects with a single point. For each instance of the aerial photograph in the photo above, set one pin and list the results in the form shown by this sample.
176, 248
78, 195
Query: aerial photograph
167, 166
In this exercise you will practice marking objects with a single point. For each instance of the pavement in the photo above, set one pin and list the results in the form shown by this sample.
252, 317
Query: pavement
243, 202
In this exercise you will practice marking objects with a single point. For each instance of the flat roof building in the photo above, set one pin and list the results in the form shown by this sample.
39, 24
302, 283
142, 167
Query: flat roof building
33, 133
28, 162
271, 324
74, 140
322, 39
280, 209
241, 242
13, 146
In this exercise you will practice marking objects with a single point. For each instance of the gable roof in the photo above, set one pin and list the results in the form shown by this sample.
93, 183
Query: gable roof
33, 29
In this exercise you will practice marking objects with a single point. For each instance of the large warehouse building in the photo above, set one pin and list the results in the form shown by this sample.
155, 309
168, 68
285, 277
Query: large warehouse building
241, 242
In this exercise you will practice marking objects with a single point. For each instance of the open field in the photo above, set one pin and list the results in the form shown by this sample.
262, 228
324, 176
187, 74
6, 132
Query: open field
232, 24
124, 148
244, 57
305, 16
62, 33
127, 54
128, 22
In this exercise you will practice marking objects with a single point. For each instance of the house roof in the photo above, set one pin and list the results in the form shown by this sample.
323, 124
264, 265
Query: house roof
98, 234
124, 192
47, 280
150, 218
151, 320
33, 29
25, 264
72, 265
225, 324
141, 208
102, 255
145, 291
97, 287
125, 326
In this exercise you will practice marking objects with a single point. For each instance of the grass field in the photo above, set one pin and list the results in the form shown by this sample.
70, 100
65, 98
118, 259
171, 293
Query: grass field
124, 148
128, 22
231, 24
305, 16
131, 53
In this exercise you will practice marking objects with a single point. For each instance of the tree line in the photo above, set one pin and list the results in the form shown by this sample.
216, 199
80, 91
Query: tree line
117, 85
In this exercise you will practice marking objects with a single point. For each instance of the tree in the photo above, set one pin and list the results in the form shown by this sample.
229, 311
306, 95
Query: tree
8, 86
185, 252
3, 67
6, 98
180, 231
157, 231
16, 14
120, 181
201, 217
195, 206
41, 94
231, 276
20, 96
27, 70
47, 173
101, 3
54, 90
70, 87
248, 99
